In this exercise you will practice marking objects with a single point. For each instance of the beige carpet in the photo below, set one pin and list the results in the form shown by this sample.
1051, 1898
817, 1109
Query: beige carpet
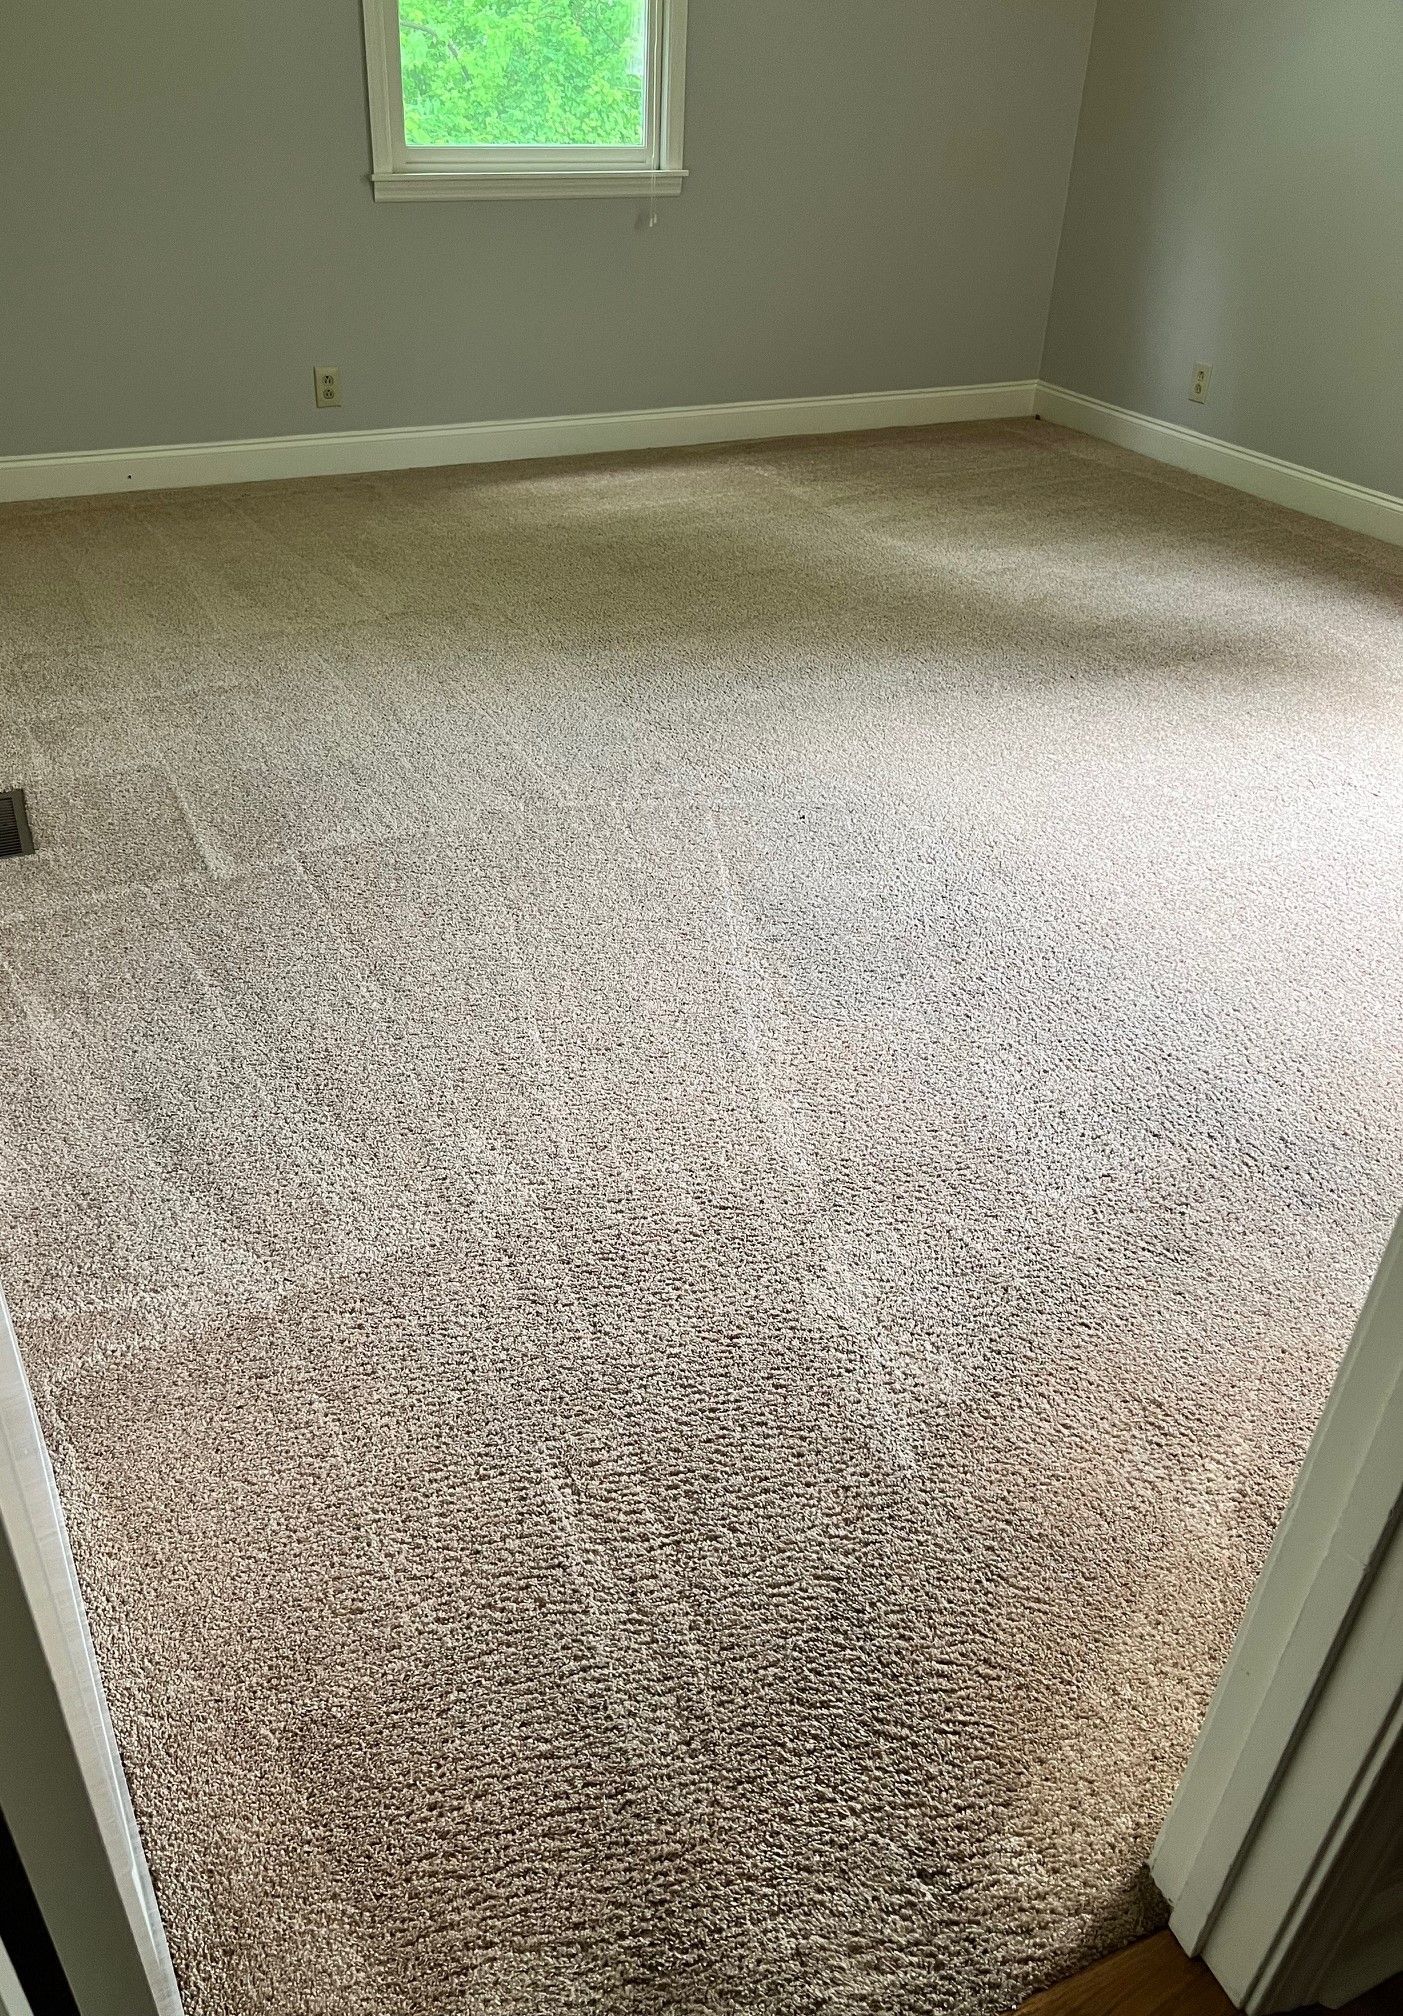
687, 1144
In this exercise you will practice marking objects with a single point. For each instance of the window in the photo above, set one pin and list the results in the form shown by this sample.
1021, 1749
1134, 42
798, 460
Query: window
525, 97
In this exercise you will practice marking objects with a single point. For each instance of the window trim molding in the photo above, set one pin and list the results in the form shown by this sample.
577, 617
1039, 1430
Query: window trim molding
400, 173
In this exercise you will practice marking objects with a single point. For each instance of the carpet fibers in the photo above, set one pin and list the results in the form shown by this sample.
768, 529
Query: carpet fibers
688, 1142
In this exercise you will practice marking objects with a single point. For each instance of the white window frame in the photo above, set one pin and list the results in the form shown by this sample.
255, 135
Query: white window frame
401, 173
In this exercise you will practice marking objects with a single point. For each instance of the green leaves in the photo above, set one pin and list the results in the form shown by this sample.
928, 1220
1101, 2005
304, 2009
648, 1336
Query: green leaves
523, 73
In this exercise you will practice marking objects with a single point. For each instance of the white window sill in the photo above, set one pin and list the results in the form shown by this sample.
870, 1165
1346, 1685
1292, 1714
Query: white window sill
436, 185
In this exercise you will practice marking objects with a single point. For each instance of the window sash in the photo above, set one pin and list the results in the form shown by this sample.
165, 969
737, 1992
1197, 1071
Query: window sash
661, 80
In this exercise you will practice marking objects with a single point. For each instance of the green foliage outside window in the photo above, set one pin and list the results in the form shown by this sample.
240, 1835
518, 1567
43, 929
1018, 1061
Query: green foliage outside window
514, 73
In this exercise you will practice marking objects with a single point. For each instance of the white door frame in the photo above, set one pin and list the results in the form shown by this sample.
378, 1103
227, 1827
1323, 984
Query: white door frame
1282, 1856
62, 1786
13, 2000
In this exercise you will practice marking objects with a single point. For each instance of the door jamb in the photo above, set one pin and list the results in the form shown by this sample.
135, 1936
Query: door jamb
1306, 1725
62, 1785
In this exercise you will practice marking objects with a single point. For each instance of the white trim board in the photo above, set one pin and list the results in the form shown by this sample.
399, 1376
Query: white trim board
1299, 489
351, 452
1279, 1855
61, 1779
354, 451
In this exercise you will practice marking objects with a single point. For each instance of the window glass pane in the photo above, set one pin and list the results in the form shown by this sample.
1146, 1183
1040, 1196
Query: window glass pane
523, 73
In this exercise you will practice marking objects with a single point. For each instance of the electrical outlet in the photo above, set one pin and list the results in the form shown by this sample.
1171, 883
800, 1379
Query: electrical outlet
328, 383
1198, 392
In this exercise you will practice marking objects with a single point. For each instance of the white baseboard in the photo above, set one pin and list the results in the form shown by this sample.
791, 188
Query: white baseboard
351, 451
1347, 504
346, 453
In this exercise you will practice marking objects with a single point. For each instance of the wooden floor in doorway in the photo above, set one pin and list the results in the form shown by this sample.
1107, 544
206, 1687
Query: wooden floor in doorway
1155, 1977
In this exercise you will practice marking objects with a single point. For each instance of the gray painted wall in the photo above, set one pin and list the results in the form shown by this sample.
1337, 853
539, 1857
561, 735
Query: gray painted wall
1237, 198
876, 193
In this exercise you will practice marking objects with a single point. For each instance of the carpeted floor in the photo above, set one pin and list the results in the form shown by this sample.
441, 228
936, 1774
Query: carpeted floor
687, 1146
